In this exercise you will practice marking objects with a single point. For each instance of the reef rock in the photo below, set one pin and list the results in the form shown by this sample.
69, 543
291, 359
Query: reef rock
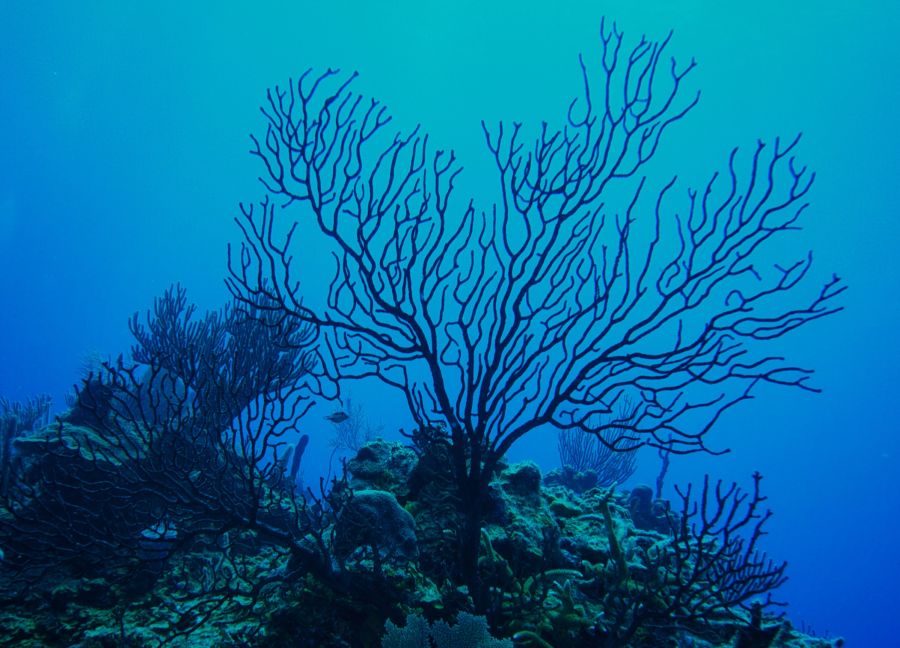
373, 519
384, 466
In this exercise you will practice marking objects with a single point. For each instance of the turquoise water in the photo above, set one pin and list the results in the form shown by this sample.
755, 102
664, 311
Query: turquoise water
124, 143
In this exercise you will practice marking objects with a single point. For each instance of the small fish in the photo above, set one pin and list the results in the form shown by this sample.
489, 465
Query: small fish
337, 417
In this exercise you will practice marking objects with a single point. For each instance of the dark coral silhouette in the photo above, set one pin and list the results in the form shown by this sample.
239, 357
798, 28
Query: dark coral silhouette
579, 288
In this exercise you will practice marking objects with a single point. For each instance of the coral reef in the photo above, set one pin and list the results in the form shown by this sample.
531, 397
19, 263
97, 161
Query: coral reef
165, 506
564, 569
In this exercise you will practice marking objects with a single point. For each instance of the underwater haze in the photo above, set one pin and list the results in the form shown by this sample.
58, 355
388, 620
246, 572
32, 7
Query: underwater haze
124, 156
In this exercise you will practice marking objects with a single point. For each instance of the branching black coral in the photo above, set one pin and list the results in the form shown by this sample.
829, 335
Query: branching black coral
708, 568
577, 288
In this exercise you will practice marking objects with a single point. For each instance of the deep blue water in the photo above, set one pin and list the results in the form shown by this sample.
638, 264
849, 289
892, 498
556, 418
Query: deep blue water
123, 156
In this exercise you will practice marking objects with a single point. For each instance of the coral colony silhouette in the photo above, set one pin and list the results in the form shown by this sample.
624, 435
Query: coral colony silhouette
165, 506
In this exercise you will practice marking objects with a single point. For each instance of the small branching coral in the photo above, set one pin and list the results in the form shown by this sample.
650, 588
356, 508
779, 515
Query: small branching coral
704, 572
603, 456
